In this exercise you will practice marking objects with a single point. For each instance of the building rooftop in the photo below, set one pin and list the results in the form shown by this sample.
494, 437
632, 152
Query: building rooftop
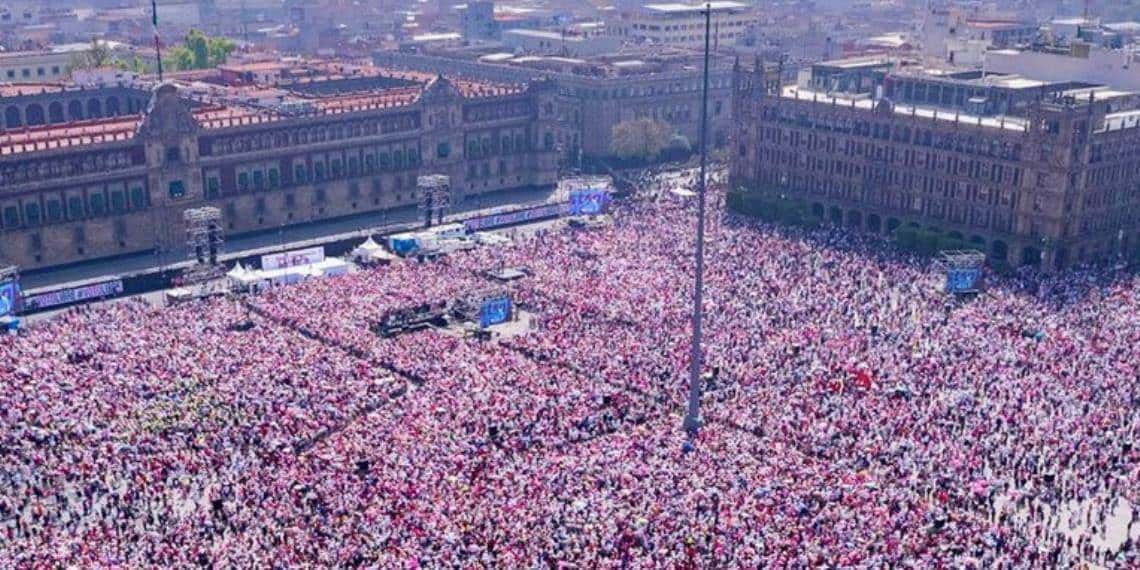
22, 89
1014, 82
255, 66
497, 57
1122, 120
1124, 27
997, 24
1077, 21
438, 37
1006, 123
223, 106
857, 62
679, 8
80, 133
543, 34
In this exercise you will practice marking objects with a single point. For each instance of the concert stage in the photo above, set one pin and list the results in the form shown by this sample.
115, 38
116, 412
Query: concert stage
485, 307
506, 274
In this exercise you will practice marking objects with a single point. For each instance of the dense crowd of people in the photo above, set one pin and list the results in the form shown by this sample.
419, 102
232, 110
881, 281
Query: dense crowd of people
854, 415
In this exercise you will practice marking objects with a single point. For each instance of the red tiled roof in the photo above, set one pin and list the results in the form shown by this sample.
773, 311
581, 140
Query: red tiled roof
50, 137
18, 89
400, 97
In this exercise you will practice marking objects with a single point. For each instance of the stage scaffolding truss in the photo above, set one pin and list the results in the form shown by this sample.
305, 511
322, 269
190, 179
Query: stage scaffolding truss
204, 240
435, 192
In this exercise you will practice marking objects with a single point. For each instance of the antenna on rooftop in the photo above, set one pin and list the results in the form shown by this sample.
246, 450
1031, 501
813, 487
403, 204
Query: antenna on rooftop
157, 42
245, 22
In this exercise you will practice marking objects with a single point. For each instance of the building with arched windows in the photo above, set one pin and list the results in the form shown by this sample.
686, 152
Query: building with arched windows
97, 173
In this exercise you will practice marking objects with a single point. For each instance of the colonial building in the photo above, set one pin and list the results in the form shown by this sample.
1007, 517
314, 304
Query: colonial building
100, 187
1056, 184
596, 93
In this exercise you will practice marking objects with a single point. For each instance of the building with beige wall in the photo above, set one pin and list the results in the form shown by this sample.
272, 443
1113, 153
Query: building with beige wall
109, 186
683, 25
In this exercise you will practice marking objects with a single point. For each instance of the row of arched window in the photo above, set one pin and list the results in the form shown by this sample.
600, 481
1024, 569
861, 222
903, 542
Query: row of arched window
59, 112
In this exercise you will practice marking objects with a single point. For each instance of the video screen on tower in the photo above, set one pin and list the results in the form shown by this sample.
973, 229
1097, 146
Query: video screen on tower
9, 296
495, 311
588, 202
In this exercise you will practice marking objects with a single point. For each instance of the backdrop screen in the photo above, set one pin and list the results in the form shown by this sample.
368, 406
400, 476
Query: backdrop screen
962, 280
495, 311
588, 202
9, 294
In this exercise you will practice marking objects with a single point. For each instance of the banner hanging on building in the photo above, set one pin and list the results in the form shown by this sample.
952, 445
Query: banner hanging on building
76, 295
293, 258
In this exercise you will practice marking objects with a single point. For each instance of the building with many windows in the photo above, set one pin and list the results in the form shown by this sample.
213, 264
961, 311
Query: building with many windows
101, 186
1050, 176
683, 25
596, 93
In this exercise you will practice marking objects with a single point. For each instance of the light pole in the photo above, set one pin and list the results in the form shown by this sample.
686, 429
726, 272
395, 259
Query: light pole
692, 423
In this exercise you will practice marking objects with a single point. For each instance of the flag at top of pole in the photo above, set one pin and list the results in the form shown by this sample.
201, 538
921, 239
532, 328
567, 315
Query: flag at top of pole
157, 41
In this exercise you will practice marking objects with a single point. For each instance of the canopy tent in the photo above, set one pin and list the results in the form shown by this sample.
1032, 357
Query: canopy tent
237, 271
244, 277
371, 252
328, 267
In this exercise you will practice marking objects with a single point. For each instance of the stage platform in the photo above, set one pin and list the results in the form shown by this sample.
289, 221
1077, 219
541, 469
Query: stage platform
507, 274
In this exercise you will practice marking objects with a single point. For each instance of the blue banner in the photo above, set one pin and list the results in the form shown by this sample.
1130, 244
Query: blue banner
9, 295
963, 280
495, 311
588, 202
76, 295
498, 220
404, 246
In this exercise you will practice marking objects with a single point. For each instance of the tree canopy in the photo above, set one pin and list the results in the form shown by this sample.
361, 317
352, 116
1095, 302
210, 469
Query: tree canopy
198, 51
98, 55
640, 139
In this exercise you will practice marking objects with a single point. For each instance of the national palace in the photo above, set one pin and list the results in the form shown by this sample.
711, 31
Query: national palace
108, 171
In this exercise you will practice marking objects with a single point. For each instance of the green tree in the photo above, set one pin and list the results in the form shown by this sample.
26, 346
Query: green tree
137, 65
198, 47
178, 58
640, 139
198, 51
219, 49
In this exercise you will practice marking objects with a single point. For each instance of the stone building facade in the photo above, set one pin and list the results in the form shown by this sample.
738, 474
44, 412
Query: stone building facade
115, 186
595, 94
1057, 186
49, 104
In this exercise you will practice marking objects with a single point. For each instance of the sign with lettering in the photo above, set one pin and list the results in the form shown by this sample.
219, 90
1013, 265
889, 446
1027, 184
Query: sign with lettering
293, 258
499, 220
75, 295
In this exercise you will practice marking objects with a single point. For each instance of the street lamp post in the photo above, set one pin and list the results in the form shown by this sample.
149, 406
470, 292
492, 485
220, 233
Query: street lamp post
692, 422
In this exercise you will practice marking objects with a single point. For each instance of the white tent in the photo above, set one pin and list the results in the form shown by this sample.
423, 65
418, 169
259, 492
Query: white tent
242, 276
371, 252
237, 271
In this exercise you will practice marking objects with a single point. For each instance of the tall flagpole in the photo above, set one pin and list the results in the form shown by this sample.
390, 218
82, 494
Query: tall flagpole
157, 42
693, 415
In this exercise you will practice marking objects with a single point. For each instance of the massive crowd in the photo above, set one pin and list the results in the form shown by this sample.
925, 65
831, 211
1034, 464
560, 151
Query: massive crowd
854, 416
